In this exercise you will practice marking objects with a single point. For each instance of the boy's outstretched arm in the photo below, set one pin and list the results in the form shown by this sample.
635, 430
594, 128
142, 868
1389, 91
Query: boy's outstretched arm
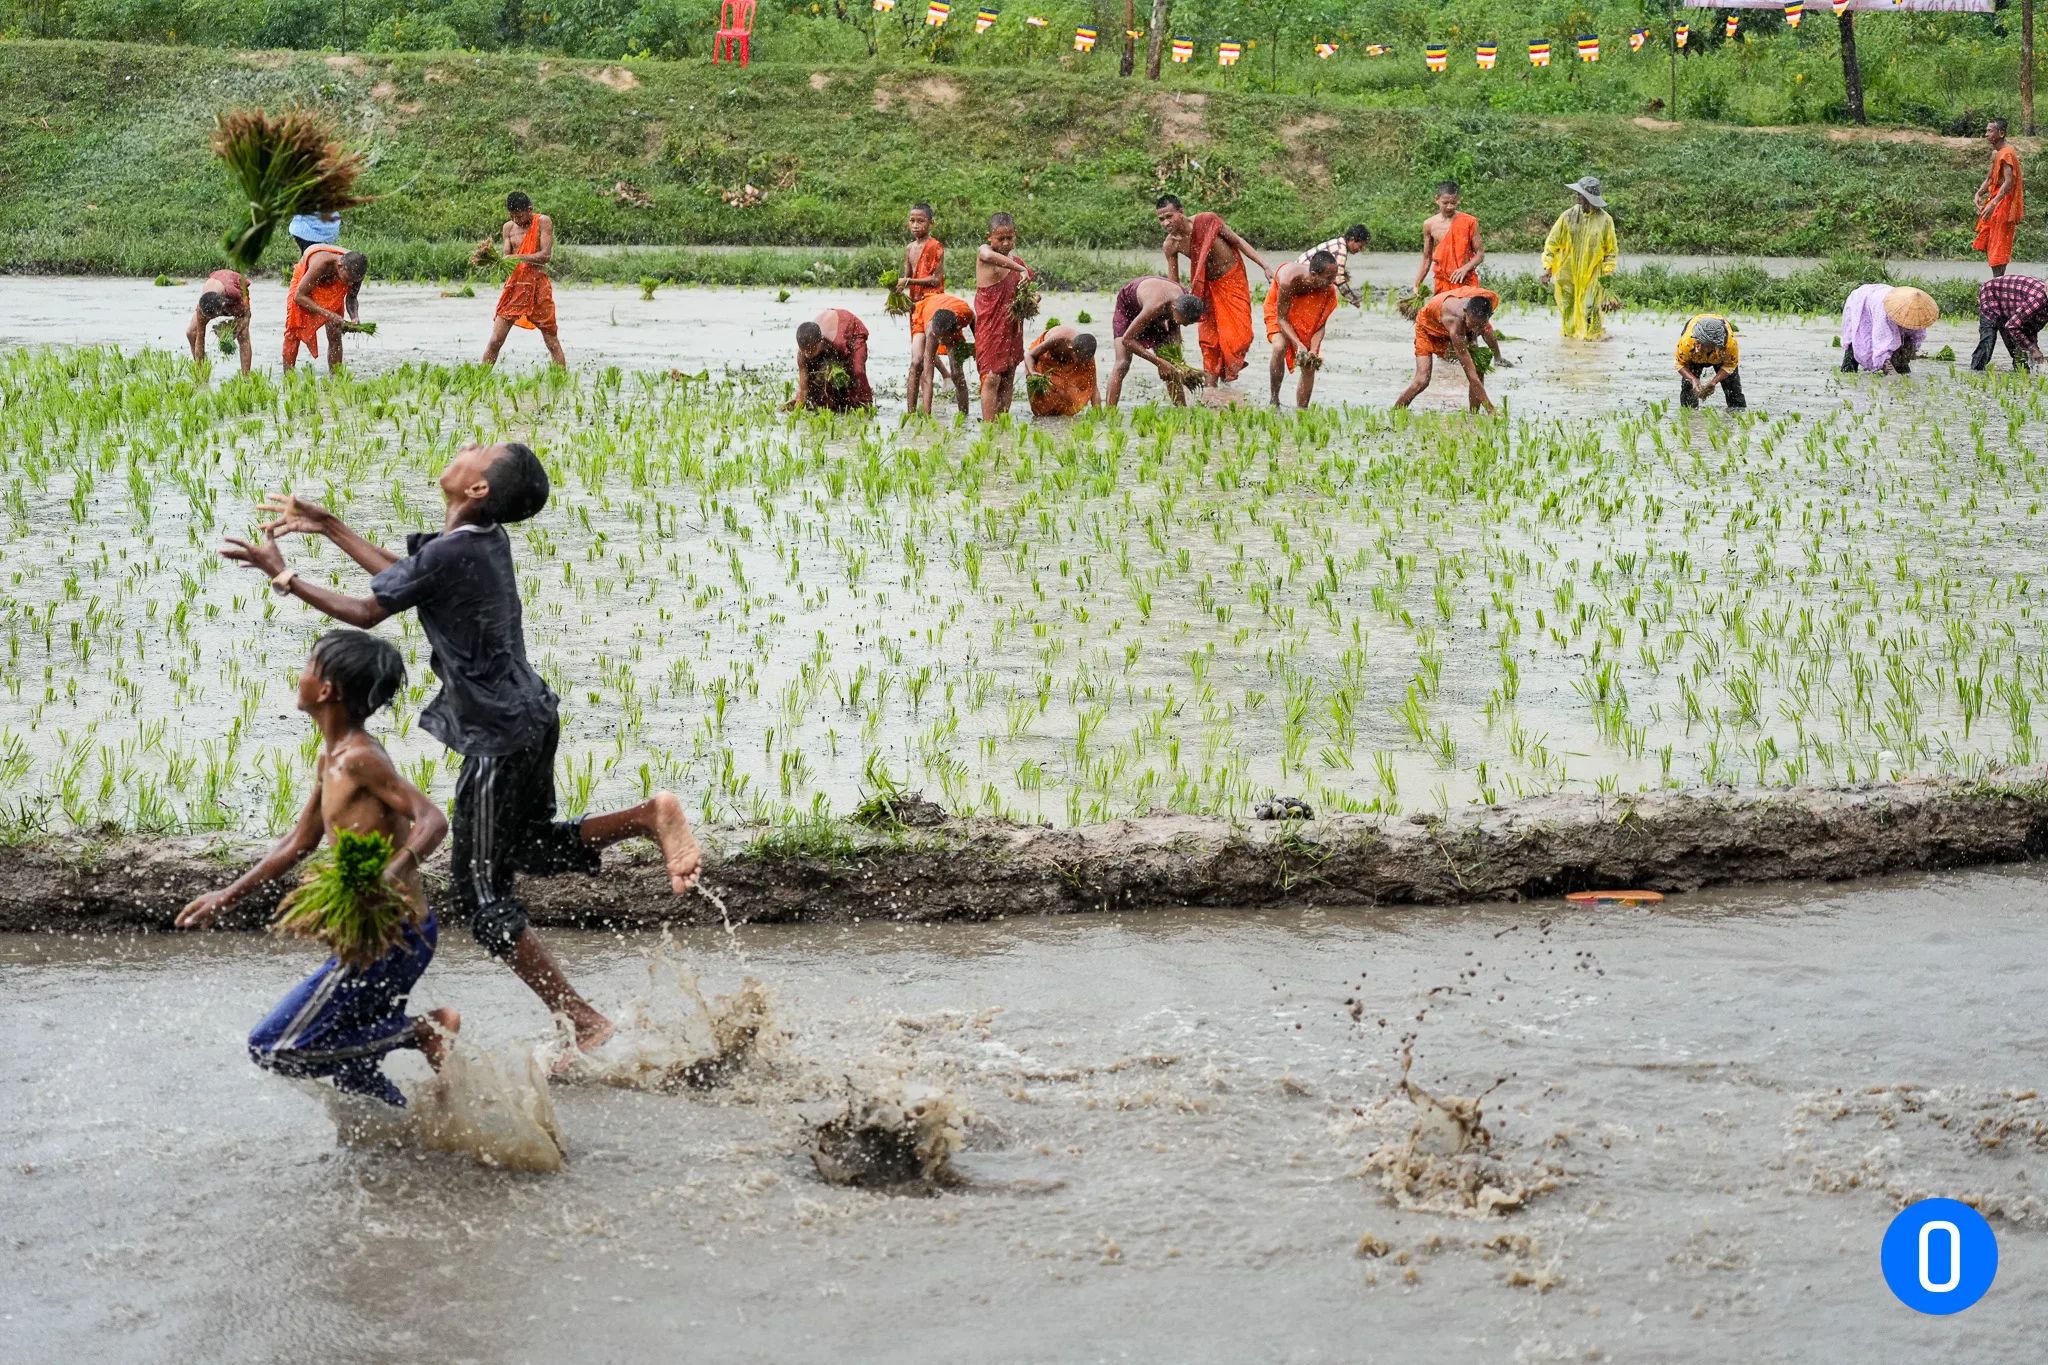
373, 770
361, 612
296, 516
286, 852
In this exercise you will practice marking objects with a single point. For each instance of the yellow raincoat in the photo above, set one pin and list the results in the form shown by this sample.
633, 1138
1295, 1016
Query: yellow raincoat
1579, 253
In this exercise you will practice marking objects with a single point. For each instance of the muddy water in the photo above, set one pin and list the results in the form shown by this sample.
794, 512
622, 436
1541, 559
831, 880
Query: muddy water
1170, 1117
1370, 355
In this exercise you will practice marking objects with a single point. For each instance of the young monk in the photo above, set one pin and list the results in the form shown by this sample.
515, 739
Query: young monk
1066, 357
937, 325
343, 1020
1298, 307
493, 708
836, 338
2001, 201
1450, 243
322, 298
226, 296
1216, 276
998, 335
1150, 311
528, 298
1445, 327
1578, 255
1707, 342
924, 260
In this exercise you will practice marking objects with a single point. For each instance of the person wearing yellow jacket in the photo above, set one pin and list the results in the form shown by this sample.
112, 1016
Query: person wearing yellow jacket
1577, 256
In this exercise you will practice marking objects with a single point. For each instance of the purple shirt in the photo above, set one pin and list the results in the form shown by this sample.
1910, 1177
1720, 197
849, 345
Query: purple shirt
1868, 334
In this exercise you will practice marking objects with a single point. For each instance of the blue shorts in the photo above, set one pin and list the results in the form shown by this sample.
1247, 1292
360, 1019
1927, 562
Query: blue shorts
340, 1022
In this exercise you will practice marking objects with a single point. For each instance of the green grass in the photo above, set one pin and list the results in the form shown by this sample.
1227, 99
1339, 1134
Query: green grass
105, 166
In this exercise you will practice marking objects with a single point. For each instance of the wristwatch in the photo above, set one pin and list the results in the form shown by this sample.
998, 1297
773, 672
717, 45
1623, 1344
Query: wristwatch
283, 582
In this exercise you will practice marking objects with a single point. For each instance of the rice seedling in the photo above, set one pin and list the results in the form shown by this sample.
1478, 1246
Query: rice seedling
343, 901
281, 166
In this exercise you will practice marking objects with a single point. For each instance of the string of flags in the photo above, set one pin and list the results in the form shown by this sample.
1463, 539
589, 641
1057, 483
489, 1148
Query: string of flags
1228, 53
1084, 40
936, 15
1183, 49
1589, 48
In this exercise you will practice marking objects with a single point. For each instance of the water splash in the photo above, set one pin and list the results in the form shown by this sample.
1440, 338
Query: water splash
898, 1136
673, 1037
490, 1106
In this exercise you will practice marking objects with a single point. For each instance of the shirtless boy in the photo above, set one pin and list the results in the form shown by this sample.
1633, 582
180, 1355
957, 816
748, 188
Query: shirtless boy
1150, 311
1216, 275
322, 299
1298, 308
1446, 327
528, 298
1450, 244
343, 1020
226, 296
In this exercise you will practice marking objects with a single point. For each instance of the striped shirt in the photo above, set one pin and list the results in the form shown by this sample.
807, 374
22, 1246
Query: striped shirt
1337, 247
2016, 305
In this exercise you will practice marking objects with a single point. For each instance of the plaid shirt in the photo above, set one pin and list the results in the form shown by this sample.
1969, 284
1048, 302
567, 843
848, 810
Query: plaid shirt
1336, 247
2016, 305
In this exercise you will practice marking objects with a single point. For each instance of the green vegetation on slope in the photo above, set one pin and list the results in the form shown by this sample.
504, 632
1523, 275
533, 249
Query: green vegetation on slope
104, 163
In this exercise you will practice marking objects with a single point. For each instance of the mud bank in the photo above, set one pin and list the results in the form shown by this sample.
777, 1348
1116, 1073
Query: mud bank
979, 869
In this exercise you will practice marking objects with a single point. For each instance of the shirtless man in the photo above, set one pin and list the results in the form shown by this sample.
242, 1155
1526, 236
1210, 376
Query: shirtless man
1150, 311
1216, 275
1298, 308
528, 298
1065, 358
1450, 243
322, 298
1445, 327
226, 296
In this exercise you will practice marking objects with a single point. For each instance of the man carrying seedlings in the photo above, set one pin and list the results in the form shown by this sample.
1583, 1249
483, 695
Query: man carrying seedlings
1356, 239
1216, 276
832, 363
924, 260
1578, 255
325, 284
1150, 311
999, 273
1298, 307
366, 903
936, 327
1061, 381
493, 708
2001, 201
528, 298
1445, 327
1450, 243
226, 296
1707, 342
2014, 307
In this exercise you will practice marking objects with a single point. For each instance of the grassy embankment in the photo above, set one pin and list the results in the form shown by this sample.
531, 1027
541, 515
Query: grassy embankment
104, 168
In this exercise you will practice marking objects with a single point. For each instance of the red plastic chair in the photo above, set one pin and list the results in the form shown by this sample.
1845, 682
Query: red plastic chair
735, 25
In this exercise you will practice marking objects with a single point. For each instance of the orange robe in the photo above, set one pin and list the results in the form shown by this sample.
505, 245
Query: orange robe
1306, 312
1073, 384
301, 326
928, 258
1995, 229
933, 300
1453, 249
1226, 330
528, 298
1431, 336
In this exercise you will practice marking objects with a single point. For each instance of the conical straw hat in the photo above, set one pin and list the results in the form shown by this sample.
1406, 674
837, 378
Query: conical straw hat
1913, 309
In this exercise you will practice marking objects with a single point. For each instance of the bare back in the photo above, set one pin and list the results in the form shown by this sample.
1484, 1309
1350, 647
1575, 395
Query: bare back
349, 801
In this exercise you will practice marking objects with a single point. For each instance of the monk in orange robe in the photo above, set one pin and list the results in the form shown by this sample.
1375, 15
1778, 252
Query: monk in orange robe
836, 339
924, 260
998, 334
322, 298
528, 298
2001, 200
937, 328
1298, 306
1065, 357
1445, 327
1216, 276
1450, 243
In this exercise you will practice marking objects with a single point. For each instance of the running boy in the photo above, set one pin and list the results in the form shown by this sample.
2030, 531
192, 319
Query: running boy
343, 1019
493, 708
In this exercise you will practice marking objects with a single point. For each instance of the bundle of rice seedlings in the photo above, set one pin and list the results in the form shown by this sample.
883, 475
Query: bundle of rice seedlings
838, 377
342, 901
1482, 360
1309, 361
1025, 306
897, 304
224, 336
961, 348
1410, 306
1083, 318
368, 329
486, 253
281, 166
1184, 373
1037, 385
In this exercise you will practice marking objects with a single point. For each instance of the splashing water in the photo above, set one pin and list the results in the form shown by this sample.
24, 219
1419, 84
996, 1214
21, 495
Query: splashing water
1447, 1163
898, 1135
674, 1038
491, 1106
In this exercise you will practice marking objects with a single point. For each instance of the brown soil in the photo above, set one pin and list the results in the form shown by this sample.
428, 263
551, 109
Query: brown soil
979, 869
383, 90
613, 77
352, 65
1180, 118
819, 80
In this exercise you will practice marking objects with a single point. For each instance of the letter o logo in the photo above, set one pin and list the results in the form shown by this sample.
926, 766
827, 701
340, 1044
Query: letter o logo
1939, 1256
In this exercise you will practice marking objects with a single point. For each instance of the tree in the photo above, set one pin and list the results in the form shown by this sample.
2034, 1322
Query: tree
1852, 75
1162, 15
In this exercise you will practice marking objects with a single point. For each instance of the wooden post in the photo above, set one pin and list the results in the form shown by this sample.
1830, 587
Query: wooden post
2027, 65
1852, 75
1162, 14
1130, 58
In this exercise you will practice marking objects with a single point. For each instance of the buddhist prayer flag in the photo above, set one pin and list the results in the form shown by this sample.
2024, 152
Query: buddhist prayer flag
1539, 54
1326, 50
984, 21
1840, 5
1683, 33
884, 6
1438, 57
1792, 13
1228, 53
1377, 49
1635, 39
1183, 49
1134, 33
1487, 53
936, 15
1084, 40
1589, 48
1034, 21
1732, 22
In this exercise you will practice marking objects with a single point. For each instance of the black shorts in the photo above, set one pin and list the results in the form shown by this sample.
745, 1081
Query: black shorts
504, 824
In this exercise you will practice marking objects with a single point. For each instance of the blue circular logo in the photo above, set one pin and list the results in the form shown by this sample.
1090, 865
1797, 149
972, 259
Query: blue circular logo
1939, 1256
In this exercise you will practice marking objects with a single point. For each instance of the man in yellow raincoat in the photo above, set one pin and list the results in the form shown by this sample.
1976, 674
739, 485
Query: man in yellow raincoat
1577, 256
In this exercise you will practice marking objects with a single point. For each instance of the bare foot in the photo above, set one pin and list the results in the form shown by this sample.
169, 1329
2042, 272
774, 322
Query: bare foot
679, 847
435, 1032
592, 1031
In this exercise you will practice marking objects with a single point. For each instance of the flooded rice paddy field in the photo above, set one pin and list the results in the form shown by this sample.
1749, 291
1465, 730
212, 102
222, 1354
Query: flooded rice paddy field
1066, 621
1177, 1143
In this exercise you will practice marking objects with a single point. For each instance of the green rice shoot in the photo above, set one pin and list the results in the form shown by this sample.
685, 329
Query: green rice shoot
343, 901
